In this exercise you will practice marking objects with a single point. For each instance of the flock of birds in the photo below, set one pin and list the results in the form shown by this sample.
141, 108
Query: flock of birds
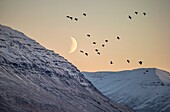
75, 18
103, 45
130, 17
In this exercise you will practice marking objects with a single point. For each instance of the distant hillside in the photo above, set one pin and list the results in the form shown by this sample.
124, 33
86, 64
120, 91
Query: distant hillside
145, 90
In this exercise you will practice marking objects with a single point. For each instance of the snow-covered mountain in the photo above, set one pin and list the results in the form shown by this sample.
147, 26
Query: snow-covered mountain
144, 90
34, 79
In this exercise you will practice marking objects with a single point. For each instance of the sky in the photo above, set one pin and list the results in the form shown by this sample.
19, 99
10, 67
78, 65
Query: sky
145, 38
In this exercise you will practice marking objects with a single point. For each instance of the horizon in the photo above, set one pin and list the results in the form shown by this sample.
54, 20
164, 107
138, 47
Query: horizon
126, 70
143, 38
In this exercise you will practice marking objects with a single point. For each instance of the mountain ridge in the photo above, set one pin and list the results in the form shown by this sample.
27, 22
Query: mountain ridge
35, 79
124, 70
144, 90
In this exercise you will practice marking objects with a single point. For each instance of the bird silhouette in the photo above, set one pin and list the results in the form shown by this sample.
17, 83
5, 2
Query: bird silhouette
94, 42
88, 35
71, 18
111, 62
68, 16
144, 13
130, 17
81, 51
98, 53
106, 40
118, 37
140, 62
128, 61
147, 71
103, 45
76, 19
96, 50
136, 12
84, 14
86, 54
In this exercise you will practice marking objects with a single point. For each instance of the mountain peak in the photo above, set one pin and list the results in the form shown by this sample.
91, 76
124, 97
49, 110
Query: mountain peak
144, 89
19, 51
35, 79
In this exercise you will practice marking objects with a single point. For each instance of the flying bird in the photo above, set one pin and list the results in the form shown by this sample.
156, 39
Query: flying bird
81, 51
84, 14
76, 19
140, 62
130, 17
86, 54
88, 35
118, 37
94, 42
71, 18
106, 40
103, 45
111, 62
144, 13
136, 12
98, 53
96, 50
128, 61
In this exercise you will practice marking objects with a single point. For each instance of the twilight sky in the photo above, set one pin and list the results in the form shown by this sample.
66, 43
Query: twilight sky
144, 38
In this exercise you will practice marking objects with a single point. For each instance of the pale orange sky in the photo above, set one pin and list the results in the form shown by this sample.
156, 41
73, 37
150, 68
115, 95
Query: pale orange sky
144, 38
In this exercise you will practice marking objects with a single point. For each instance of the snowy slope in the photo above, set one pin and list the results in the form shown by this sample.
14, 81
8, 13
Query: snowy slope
145, 90
35, 79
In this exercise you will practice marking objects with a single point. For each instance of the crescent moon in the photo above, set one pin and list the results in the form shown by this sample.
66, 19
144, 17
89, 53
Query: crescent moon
73, 45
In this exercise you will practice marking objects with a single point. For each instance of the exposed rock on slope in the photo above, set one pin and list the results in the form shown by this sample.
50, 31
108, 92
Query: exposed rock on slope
34, 79
145, 90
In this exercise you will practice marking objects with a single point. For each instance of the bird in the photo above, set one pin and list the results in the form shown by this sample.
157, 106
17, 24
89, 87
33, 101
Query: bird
68, 16
94, 42
111, 62
136, 12
128, 61
147, 71
106, 40
140, 62
130, 17
86, 54
81, 51
96, 50
98, 53
84, 14
71, 18
144, 13
76, 19
103, 45
88, 35
118, 37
